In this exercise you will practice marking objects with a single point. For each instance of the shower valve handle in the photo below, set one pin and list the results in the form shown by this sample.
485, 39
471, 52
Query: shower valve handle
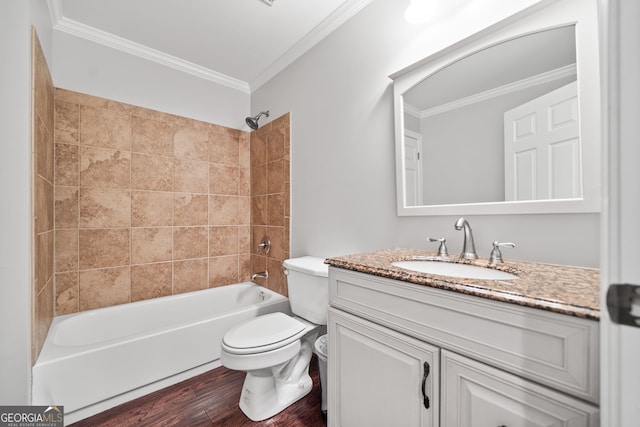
265, 245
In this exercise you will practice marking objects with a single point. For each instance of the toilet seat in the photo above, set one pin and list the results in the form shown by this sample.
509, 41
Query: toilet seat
253, 361
263, 334
263, 342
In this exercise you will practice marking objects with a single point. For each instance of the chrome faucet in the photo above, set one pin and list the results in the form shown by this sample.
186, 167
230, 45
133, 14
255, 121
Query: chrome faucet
468, 247
260, 274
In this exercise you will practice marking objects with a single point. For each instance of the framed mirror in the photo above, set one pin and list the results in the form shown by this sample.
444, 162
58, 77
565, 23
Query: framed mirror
506, 121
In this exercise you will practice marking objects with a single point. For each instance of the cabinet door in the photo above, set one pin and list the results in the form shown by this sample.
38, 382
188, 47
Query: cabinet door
378, 377
476, 395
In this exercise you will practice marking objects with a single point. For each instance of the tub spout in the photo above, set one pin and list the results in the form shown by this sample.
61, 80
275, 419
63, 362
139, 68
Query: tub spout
260, 274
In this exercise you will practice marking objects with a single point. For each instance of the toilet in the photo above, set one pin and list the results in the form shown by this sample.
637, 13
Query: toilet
275, 349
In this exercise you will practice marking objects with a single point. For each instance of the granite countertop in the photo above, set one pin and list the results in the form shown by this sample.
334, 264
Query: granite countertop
573, 291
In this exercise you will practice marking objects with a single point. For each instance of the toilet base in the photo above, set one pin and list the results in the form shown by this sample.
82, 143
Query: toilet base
266, 392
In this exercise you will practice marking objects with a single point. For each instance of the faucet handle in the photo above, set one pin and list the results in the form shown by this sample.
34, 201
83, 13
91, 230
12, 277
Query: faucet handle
496, 256
442, 249
265, 245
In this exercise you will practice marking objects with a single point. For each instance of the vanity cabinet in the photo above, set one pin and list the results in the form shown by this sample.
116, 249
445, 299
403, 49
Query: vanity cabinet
487, 363
381, 377
476, 395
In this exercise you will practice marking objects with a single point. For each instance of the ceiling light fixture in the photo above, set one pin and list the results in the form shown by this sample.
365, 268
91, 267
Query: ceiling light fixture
421, 11
269, 2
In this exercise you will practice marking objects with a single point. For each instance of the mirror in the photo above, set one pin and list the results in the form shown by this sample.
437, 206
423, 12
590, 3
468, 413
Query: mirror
507, 122
472, 123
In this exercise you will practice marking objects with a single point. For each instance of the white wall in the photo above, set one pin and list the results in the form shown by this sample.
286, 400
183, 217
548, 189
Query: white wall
84, 66
342, 154
16, 18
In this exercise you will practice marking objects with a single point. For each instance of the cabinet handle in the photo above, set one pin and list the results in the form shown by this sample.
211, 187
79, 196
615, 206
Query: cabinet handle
424, 384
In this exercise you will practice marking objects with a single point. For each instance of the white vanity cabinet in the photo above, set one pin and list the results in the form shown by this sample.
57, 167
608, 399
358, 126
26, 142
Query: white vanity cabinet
381, 377
476, 395
489, 363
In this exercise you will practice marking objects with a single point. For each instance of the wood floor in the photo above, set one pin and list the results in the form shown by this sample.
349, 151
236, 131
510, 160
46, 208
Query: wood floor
210, 399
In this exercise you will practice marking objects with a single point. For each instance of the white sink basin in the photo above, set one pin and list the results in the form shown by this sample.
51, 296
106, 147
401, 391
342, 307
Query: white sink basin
452, 269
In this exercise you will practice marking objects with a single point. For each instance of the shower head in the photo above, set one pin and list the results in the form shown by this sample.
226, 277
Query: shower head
253, 121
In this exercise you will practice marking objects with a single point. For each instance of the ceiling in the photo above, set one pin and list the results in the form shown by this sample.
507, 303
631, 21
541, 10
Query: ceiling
237, 43
512, 65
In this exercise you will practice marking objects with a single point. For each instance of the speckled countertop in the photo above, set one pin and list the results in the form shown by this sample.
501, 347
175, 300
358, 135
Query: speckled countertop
562, 289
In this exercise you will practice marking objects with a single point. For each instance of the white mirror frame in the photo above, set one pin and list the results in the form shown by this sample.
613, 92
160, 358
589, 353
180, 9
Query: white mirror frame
545, 15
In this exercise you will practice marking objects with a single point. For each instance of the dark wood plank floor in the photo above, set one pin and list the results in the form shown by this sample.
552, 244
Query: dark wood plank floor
210, 399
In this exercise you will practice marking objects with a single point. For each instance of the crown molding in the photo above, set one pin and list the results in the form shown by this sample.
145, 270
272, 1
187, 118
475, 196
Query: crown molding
74, 28
55, 11
322, 30
549, 76
412, 111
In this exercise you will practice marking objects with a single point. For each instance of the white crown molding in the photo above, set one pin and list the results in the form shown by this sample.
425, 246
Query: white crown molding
549, 76
412, 111
322, 30
69, 26
55, 11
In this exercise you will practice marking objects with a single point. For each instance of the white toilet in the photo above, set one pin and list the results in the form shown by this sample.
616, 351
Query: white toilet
275, 349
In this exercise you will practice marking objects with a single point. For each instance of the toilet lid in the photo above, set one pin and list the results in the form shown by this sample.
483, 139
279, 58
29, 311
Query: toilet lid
263, 331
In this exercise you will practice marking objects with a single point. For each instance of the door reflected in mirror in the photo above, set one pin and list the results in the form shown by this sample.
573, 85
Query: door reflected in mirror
501, 124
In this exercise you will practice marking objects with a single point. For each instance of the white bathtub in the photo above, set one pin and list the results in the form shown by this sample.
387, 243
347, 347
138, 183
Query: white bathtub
97, 359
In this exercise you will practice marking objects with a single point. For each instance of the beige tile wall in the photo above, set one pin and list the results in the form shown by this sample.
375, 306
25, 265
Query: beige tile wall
148, 204
42, 166
270, 199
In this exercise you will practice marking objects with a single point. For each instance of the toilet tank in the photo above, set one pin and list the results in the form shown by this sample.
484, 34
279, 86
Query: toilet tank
308, 285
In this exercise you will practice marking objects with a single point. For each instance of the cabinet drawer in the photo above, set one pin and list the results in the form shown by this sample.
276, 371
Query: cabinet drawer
476, 395
553, 349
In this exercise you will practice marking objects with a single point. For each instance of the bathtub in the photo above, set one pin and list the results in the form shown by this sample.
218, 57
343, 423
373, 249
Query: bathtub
97, 359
